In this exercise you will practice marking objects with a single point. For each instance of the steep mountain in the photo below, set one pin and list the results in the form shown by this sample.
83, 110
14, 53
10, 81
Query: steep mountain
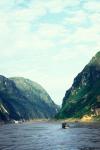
37, 95
21, 98
84, 95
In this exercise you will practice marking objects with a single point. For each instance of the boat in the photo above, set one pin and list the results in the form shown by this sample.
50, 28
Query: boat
65, 125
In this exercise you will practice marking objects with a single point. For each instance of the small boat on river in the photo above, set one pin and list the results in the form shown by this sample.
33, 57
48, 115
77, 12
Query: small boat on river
65, 125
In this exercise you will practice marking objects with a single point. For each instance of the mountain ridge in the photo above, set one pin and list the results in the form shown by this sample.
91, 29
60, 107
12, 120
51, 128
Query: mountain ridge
82, 97
22, 98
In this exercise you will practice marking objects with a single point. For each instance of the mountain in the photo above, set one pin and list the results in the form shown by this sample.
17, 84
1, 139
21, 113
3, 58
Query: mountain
83, 98
21, 98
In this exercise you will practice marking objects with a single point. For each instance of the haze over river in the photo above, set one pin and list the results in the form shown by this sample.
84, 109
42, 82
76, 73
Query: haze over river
49, 136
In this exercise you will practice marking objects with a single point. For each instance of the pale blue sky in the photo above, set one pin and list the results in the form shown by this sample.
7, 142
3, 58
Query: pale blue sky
48, 41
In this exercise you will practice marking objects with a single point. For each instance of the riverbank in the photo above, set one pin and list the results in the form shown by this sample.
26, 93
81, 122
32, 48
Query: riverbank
86, 118
24, 121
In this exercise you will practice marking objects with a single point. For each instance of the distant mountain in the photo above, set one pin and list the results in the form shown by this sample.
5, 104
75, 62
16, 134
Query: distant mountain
84, 95
21, 98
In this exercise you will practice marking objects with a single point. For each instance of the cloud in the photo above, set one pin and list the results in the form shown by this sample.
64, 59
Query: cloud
65, 55
59, 5
75, 53
95, 19
51, 31
87, 35
92, 6
6, 5
34, 45
76, 19
83, 36
28, 14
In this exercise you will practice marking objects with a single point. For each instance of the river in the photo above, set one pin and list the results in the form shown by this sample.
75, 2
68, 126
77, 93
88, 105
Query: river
49, 136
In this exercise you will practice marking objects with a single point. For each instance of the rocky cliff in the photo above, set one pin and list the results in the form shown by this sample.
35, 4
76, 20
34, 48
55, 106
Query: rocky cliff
84, 95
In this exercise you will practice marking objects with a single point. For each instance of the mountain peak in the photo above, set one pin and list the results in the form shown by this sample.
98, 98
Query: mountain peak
96, 59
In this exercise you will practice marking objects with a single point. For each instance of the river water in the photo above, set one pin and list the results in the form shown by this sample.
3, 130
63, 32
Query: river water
49, 136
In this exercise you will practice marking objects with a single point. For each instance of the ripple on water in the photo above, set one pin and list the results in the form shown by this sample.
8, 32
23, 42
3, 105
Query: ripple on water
49, 136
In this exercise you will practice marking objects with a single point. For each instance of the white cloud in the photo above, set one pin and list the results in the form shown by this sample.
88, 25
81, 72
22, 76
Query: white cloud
77, 18
76, 52
92, 6
83, 35
95, 19
51, 31
86, 34
6, 4
65, 55
28, 14
59, 5
45, 53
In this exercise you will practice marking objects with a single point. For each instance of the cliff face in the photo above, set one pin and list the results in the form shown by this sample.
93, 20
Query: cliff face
84, 95
21, 98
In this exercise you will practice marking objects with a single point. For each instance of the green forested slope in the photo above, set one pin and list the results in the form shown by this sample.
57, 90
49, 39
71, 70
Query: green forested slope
23, 99
84, 95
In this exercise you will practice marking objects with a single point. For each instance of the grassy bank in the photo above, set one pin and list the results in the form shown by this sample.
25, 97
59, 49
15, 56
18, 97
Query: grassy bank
85, 118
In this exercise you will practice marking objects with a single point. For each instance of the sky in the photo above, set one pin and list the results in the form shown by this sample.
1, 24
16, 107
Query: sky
48, 41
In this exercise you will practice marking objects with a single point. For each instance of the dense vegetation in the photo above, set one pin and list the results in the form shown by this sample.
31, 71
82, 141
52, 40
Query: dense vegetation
84, 95
21, 98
